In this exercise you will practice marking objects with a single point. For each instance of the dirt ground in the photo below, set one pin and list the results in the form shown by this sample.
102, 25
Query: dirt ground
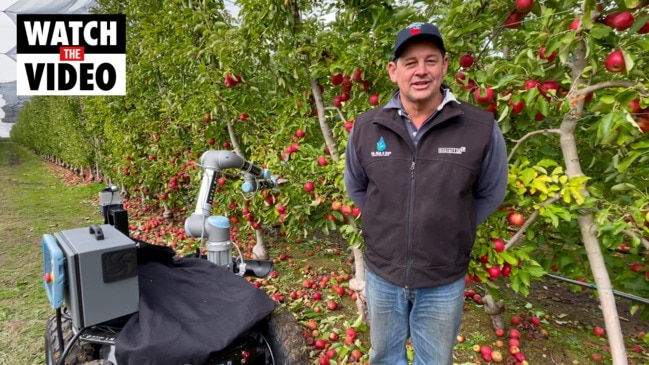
584, 307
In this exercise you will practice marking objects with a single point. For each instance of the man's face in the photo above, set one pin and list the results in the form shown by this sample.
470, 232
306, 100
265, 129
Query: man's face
419, 72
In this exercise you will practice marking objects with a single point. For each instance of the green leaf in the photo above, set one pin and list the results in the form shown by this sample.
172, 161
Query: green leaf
623, 187
605, 126
624, 164
600, 31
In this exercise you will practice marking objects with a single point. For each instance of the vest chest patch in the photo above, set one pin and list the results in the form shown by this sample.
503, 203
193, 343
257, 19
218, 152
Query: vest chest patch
451, 150
381, 147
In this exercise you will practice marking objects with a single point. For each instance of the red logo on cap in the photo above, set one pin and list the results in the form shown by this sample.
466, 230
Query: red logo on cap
414, 31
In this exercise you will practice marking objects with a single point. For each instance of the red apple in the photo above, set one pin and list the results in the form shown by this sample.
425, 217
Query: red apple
615, 61
513, 20
514, 333
484, 97
346, 210
322, 161
374, 99
644, 125
575, 24
516, 219
494, 272
636, 267
548, 85
506, 270
549, 57
336, 79
623, 21
332, 305
207, 117
357, 75
515, 320
530, 84
243, 117
499, 244
610, 17
598, 331
229, 81
309, 186
644, 29
634, 106
466, 61
517, 107
535, 321
524, 6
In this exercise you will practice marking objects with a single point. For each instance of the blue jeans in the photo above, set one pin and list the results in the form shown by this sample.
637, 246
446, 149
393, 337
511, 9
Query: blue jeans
431, 317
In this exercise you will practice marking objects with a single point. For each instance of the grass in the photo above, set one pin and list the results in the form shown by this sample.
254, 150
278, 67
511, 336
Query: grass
32, 202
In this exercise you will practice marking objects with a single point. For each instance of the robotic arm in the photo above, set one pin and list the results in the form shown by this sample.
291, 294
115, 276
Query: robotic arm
216, 229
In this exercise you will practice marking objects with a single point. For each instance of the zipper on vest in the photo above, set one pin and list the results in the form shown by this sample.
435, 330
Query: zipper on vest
410, 223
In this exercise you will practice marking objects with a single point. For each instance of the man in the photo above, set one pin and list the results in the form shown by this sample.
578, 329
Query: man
426, 170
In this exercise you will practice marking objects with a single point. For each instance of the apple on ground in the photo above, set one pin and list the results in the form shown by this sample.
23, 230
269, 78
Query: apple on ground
598, 331
322, 161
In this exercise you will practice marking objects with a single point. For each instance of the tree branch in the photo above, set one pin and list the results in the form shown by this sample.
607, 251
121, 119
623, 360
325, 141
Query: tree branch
604, 85
340, 113
520, 141
529, 221
632, 234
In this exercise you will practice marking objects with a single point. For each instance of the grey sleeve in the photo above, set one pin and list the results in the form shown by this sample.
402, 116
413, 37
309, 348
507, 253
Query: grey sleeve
354, 175
489, 192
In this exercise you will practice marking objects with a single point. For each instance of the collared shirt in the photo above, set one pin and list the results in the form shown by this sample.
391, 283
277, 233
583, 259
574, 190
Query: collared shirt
413, 132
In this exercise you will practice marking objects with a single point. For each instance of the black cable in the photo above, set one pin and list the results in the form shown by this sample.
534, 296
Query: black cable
69, 346
59, 329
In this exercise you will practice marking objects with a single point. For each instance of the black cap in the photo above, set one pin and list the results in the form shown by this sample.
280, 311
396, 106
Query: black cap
417, 32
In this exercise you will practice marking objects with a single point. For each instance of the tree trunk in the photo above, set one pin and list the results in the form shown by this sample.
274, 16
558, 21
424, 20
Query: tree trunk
586, 221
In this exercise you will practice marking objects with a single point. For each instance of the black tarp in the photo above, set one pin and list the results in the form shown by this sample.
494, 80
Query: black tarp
189, 308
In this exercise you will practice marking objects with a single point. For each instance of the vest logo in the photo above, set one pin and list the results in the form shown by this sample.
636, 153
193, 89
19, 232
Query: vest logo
452, 150
380, 149
71, 54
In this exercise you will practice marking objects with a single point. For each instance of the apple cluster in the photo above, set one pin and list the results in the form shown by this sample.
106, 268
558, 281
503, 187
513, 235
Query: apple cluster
345, 83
